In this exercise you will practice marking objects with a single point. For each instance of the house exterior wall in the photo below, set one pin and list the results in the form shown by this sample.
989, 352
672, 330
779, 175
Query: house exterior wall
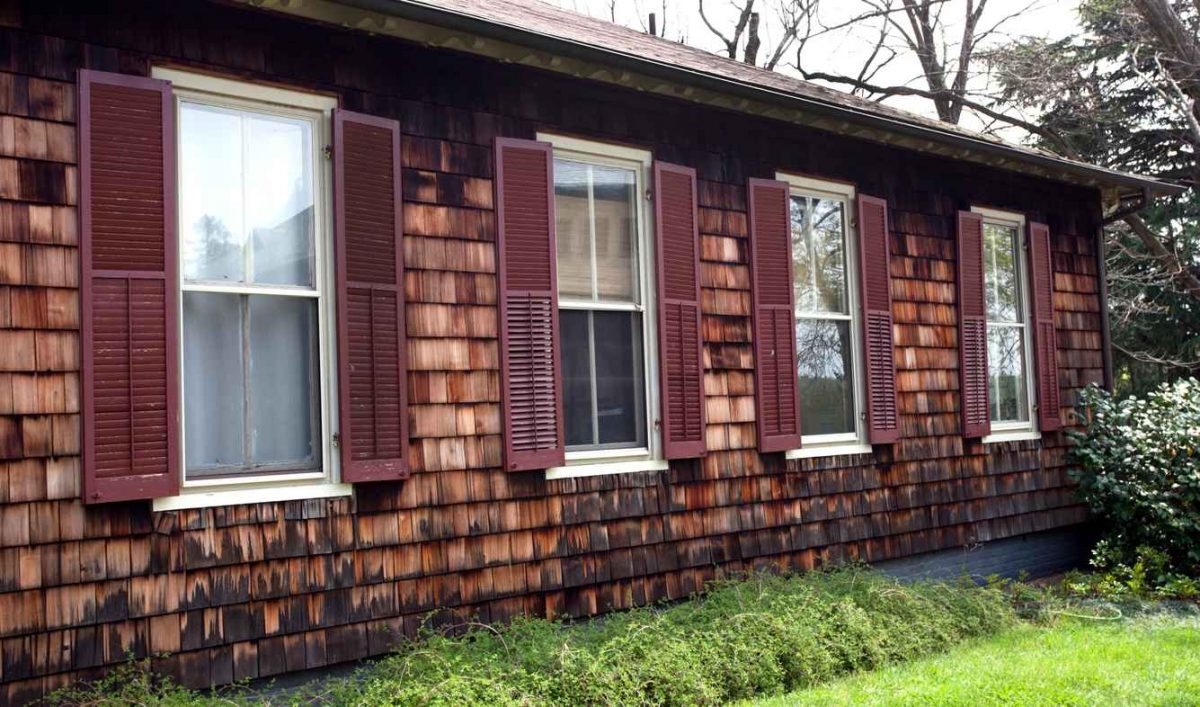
257, 590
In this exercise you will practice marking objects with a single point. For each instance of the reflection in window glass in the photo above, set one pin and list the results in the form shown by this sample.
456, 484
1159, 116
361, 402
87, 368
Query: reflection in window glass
1007, 386
603, 353
246, 183
824, 321
1008, 373
819, 255
1000, 257
596, 221
825, 365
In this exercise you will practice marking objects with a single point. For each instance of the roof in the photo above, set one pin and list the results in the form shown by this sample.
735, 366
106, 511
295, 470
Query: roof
541, 26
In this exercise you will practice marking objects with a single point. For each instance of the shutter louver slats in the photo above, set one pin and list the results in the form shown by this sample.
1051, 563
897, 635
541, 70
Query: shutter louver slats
883, 422
529, 363
1045, 339
128, 284
681, 366
370, 298
777, 400
972, 328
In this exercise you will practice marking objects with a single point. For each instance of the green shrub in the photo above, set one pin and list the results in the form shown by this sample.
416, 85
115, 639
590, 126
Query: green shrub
1139, 470
756, 636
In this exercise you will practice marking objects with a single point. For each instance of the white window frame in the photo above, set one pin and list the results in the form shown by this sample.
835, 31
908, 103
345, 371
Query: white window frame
325, 480
1014, 431
827, 445
629, 460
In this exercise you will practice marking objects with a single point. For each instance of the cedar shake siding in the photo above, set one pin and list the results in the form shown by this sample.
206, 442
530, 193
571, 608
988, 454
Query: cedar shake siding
448, 521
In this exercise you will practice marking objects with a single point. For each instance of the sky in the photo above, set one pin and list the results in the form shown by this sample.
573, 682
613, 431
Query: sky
844, 51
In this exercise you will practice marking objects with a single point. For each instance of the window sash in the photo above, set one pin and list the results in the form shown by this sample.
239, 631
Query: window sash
321, 465
1015, 223
809, 188
639, 162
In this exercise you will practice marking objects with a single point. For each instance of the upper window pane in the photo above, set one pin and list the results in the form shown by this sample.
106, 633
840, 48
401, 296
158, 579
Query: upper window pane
819, 255
246, 196
596, 220
1001, 256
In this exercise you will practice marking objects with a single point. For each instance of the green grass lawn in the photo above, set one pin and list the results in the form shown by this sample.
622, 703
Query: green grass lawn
1151, 660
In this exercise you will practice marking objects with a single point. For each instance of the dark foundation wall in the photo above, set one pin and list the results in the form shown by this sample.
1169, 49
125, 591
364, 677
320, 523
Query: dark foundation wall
256, 590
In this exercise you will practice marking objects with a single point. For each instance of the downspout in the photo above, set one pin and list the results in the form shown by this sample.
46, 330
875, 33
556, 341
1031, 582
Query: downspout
1121, 212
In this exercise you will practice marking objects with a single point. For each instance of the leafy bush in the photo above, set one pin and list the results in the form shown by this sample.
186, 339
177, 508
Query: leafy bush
760, 635
1139, 470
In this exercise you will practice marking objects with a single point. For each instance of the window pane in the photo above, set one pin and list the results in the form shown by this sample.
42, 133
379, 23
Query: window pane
819, 254
210, 190
615, 203
212, 380
1006, 374
577, 377
283, 388
1000, 266
620, 391
246, 178
572, 220
824, 363
279, 198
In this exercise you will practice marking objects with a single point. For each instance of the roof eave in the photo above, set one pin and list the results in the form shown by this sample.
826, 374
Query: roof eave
1123, 184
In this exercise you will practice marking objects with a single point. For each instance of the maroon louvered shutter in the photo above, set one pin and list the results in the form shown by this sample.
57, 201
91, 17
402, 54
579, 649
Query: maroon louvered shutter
777, 403
1041, 264
529, 366
372, 390
681, 358
972, 328
128, 288
883, 423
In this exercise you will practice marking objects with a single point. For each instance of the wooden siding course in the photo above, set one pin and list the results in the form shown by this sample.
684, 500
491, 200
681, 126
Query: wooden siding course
261, 589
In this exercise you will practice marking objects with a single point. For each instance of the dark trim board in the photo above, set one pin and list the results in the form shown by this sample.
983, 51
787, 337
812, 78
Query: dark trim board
1035, 556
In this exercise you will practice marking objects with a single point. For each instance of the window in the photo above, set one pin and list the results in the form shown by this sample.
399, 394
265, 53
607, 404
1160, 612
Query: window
253, 201
605, 323
1006, 291
828, 328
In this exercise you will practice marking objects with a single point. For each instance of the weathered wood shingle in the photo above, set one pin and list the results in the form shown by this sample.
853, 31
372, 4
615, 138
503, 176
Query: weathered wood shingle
258, 590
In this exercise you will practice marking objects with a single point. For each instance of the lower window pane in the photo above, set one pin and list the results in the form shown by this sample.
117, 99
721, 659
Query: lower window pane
283, 380
824, 363
620, 395
213, 389
604, 395
1006, 374
577, 377
276, 387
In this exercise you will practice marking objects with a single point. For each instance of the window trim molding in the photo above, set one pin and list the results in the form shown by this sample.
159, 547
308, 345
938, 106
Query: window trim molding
1012, 431
649, 457
838, 444
325, 481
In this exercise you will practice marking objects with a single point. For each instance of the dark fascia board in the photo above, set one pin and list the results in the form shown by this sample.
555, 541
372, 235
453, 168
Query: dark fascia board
428, 13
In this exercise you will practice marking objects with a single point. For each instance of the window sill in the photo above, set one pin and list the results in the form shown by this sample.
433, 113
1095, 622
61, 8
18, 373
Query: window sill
1011, 436
207, 497
601, 468
828, 450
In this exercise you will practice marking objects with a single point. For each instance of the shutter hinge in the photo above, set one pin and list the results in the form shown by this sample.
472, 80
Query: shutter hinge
337, 439
649, 195
327, 151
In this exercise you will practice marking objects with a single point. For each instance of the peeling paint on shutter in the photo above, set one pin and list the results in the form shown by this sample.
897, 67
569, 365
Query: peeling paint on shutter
1045, 339
681, 355
372, 390
972, 328
529, 358
777, 401
883, 423
128, 258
